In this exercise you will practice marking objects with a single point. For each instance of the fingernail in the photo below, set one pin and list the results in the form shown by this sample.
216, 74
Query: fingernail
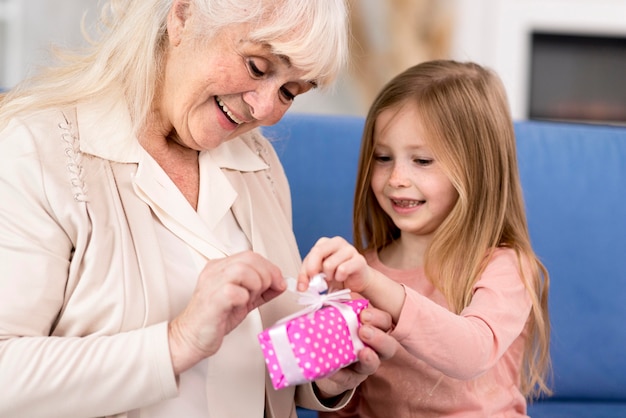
366, 316
290, 283
366, 332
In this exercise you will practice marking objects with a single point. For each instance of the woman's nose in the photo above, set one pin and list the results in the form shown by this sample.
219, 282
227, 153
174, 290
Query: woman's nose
263, 104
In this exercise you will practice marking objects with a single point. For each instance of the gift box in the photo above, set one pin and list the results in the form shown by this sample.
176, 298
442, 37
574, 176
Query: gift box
315, 342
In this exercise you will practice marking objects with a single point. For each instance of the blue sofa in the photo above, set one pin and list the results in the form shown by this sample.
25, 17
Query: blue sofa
574, 181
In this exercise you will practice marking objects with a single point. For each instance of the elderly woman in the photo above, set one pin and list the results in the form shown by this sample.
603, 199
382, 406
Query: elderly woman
145, 222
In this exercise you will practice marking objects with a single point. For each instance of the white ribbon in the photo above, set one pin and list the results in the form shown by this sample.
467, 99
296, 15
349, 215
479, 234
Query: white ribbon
314, 298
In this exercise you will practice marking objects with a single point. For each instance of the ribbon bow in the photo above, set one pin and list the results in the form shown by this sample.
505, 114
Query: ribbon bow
316, 296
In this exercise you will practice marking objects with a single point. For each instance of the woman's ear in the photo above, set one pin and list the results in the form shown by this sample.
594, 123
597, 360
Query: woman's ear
177, 19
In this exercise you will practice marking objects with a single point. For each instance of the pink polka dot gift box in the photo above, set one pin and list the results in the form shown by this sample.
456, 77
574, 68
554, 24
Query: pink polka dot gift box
315, 342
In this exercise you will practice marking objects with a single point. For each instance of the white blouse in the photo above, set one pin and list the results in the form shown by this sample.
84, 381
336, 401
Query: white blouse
183, 265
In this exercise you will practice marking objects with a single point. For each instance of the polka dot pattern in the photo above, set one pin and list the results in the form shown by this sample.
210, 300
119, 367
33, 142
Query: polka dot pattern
320, 342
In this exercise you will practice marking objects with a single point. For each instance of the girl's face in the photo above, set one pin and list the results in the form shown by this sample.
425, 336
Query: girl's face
408, 182
216, 90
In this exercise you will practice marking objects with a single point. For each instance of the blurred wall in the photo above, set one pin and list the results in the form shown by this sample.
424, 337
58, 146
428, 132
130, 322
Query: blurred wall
387, 37
29, 27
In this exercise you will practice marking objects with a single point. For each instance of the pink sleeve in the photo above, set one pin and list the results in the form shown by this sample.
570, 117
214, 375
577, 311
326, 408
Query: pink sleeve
465, 346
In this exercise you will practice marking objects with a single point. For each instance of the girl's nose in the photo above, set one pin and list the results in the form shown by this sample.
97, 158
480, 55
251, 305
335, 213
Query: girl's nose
397, 176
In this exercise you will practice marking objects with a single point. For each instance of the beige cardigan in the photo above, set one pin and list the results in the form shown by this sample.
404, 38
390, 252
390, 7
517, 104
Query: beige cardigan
79, 259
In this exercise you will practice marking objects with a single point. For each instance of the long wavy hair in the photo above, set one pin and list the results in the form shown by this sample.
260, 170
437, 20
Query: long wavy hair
464, 109
128, 53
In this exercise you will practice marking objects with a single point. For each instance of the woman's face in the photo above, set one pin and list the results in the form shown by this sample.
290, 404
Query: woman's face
215, 90
407, 180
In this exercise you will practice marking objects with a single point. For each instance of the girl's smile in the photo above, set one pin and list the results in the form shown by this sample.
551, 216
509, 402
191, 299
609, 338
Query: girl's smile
406, 206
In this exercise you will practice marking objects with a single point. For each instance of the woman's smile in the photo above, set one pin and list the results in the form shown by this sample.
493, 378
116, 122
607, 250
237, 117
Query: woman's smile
227, 112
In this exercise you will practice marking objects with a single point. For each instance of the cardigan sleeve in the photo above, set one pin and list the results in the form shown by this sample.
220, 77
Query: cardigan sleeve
85, 374
466, 345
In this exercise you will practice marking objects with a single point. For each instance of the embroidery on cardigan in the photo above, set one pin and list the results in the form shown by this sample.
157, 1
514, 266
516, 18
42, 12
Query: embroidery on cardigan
74, 160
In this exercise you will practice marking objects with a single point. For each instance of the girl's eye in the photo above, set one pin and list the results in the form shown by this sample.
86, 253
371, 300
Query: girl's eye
381, 158
423, 161
254, 69
289, 96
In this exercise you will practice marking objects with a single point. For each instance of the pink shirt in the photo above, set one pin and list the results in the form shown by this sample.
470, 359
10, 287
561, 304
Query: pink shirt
452, 365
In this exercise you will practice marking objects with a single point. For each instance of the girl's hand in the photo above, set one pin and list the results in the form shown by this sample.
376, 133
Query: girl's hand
343, 265
379, 346
226, 291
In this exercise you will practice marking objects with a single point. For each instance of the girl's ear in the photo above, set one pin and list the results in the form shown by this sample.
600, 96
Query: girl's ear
176, 20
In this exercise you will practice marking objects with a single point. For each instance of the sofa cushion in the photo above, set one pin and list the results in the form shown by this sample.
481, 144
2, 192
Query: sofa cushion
564, 409
320, 155
574, 180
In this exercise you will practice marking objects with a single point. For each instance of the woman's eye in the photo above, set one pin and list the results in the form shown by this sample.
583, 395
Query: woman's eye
254, 69
382, 158
287, 94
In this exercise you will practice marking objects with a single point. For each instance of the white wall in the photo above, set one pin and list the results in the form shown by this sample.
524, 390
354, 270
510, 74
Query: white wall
29, 27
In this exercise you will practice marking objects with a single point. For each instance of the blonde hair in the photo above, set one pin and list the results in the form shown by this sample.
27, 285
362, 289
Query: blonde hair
129, 55
464, 109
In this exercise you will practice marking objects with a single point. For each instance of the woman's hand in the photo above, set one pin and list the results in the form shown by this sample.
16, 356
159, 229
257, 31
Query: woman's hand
343, 265
226, 291
379, 346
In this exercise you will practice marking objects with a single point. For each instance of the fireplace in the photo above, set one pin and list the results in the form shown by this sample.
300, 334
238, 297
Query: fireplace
575, 77
549, 54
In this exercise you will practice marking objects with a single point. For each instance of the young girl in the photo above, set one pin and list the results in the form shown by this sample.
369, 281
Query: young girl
442, 244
